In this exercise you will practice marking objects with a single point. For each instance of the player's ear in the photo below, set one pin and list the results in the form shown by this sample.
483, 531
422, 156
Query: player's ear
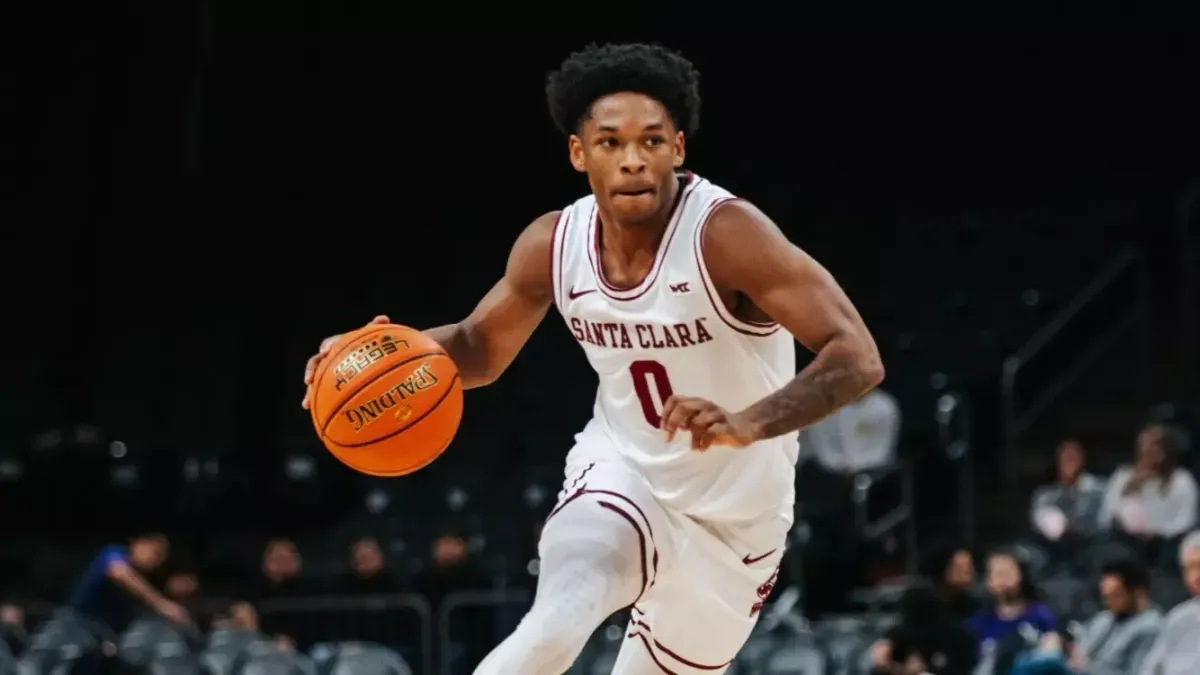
680, 149
575, 149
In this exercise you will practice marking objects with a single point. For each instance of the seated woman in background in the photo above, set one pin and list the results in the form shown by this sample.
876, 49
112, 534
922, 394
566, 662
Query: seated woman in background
1064, 514
927, 639
1154, 501
1013, 616
957, 591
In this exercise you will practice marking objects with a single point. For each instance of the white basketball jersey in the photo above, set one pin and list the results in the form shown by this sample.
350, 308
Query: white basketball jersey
672, 334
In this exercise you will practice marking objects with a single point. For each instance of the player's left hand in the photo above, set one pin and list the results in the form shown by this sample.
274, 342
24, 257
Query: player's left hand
709, 423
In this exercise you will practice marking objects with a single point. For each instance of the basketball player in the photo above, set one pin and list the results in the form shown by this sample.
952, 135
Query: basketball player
679, 492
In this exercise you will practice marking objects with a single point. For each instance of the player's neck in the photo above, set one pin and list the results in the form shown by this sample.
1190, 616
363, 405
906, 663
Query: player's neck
628, 240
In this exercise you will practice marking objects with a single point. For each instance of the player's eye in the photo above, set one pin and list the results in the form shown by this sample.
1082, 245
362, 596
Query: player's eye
653, 141
609, 142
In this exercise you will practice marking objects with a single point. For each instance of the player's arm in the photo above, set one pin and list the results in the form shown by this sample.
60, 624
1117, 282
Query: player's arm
485, 343
745, 252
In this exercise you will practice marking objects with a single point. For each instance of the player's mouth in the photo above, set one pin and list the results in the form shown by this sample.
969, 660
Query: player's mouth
635, 193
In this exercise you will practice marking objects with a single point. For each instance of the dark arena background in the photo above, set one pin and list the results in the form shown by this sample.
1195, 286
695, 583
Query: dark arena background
200, 192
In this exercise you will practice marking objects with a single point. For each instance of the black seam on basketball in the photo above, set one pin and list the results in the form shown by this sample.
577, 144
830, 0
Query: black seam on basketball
411, 468
334, 356
404, 428
366, 383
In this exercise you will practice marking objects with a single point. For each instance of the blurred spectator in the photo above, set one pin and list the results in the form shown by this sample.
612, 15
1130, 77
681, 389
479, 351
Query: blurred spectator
927, 638
1154, 501
1065, 513
367, 575
12, 627
281, 567
957, 590
1117, 640
452, 571
182, 587
859, 437
1013, 607
1177, 650
240, 616
241, 619
114, 584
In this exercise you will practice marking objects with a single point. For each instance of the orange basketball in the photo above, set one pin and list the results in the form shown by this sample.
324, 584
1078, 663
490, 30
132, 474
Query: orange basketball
387, 400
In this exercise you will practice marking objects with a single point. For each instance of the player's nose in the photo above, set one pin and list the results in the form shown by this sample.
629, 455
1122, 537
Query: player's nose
632, 162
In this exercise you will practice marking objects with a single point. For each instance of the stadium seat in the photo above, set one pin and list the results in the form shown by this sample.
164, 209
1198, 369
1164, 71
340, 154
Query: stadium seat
797, 657
1065, 595
845, 646
59, 645
183, 664
1166, 591
1100, 552
367, 659
754, 653
266, 659
149, 639
8, 664
224, 647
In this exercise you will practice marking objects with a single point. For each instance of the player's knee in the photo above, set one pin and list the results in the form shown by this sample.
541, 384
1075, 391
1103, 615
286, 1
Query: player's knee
603, 535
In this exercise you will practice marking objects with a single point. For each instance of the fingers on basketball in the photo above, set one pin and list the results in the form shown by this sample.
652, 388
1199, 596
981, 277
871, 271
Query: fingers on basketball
310, 368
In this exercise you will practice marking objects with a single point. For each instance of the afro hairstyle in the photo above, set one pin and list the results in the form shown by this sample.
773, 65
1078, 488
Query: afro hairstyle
600, 70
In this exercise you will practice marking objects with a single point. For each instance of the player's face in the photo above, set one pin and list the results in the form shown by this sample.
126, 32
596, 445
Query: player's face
629, 149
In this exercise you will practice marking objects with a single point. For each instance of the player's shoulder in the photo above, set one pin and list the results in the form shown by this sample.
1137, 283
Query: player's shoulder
540, 232
735, 238
529, 260
729, 219
705, 188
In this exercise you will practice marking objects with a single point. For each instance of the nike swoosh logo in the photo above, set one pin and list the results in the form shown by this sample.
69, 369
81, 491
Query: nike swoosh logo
571, 294
750, 561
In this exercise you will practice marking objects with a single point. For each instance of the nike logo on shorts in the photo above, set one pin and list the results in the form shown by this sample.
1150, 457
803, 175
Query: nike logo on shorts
750, 561
572, 294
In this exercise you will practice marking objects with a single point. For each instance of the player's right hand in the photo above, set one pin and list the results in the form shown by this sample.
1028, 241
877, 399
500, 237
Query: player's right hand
314, 361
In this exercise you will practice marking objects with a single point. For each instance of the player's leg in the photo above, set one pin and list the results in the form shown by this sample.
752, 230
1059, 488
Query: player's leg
598, 554
701, 613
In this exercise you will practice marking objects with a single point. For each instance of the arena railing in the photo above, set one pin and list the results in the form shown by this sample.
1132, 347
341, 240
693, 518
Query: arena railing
313, 621
954, 435
1025, 402
456, 602
900, 516
377, 618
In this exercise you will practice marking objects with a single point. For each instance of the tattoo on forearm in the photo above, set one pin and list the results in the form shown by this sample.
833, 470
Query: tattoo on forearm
828, 383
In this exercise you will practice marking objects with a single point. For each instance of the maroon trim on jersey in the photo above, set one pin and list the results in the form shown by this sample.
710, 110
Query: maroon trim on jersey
640, 629
564, 219
743, 326
642, 287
